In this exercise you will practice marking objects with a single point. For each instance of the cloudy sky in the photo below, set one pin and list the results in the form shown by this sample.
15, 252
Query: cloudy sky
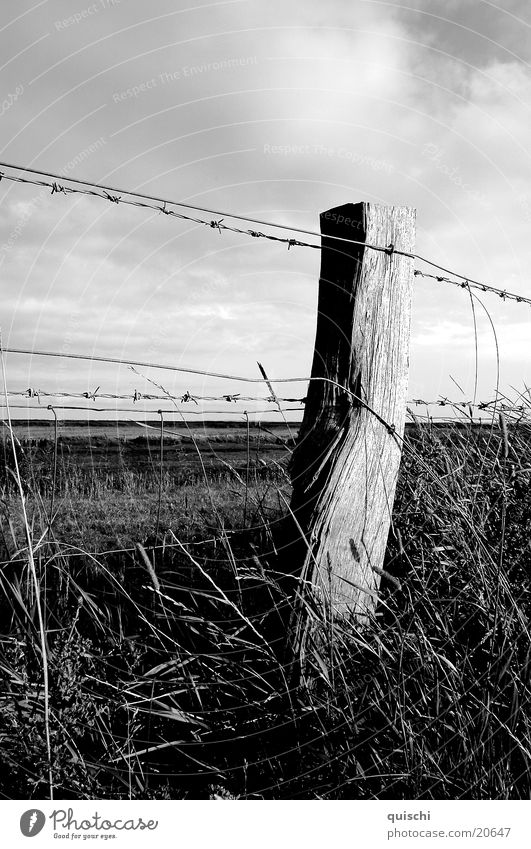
276, 110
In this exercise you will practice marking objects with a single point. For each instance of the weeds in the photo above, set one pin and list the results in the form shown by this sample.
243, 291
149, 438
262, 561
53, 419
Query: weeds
174, 681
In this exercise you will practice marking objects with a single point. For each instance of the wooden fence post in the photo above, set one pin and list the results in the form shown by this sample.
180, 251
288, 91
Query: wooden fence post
345, 464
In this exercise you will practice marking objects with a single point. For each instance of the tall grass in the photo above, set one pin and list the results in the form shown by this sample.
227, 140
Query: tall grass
169, 667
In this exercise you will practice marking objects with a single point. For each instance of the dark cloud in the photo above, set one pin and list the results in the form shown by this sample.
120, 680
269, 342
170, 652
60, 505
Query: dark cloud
477, 33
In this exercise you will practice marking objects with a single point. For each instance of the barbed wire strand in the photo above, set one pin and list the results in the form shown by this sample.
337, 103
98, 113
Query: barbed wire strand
466, 283
115, 195
116, 199
137, 396
234, 398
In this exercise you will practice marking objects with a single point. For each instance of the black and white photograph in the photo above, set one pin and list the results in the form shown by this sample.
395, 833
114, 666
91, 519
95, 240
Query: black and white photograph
265, 473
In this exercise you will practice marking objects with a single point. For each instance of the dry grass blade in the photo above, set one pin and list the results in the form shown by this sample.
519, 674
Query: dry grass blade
36, 585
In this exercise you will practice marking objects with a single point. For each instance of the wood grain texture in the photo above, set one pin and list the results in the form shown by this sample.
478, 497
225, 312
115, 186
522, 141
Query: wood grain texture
346, 462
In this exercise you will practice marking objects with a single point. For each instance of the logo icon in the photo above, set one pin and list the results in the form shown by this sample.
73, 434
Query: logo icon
32, 822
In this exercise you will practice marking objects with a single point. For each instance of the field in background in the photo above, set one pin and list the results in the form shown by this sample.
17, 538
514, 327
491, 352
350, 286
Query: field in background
110, 479
170, 670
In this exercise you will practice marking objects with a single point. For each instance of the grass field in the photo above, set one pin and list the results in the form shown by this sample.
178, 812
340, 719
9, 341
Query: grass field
169, 673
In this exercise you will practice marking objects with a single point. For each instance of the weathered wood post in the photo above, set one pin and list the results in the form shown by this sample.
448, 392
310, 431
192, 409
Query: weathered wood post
346, 461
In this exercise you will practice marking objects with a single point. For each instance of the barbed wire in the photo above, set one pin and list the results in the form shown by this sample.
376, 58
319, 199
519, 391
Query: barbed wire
512, 418
489, 406
137, 397
470, 284
203, 373
389, 426
115, 195
218, 225
188, 397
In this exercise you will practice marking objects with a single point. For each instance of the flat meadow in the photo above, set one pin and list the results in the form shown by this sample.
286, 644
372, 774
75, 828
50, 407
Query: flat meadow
147, 609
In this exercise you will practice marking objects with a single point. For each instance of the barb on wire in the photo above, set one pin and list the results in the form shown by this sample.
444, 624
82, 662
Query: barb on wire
141, 200
90, 396
187, 397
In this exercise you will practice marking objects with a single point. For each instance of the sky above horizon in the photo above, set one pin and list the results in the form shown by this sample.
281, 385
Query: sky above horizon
276, 111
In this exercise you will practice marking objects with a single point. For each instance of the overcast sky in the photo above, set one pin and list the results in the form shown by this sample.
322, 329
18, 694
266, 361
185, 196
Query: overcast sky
425, 105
